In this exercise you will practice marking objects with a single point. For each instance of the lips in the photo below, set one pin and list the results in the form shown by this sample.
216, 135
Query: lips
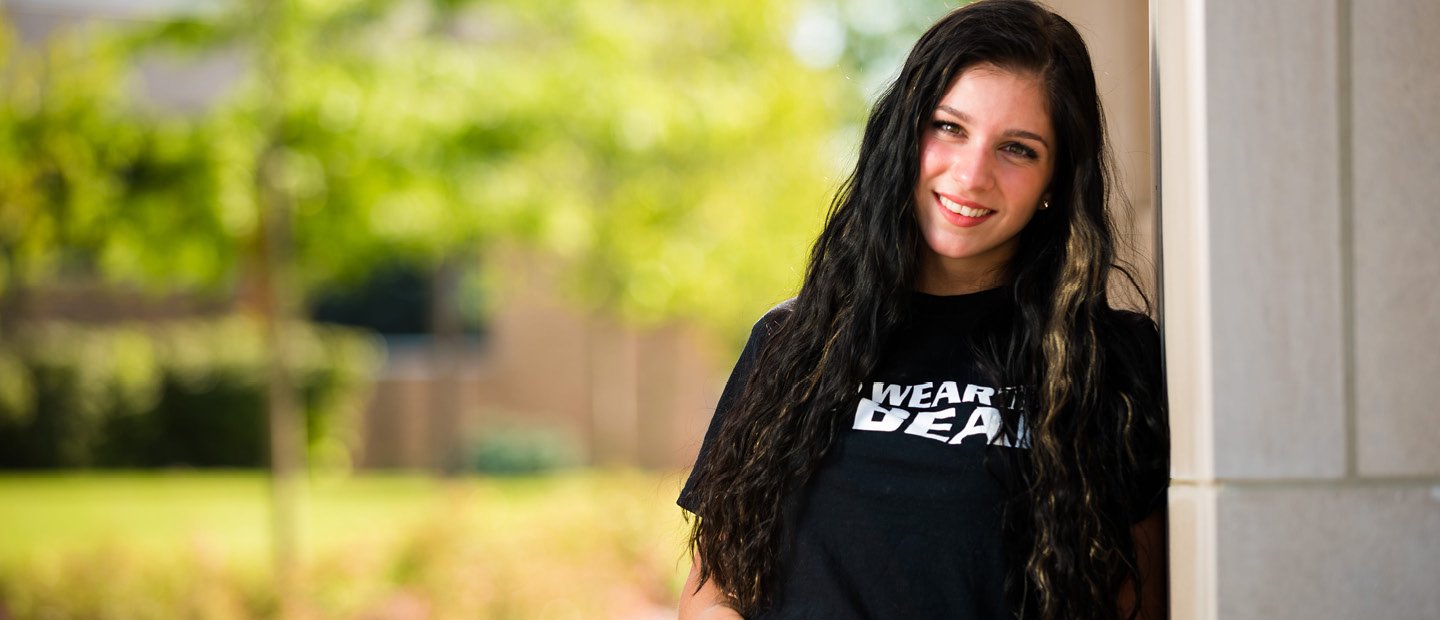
962, 213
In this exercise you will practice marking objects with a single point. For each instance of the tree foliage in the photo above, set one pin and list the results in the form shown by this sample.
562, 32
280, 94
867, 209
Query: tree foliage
675, 157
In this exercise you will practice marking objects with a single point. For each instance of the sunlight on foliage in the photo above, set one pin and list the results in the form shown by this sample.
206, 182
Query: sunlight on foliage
676, 157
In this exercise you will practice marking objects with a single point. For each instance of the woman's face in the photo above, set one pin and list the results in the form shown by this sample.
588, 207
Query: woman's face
985, 160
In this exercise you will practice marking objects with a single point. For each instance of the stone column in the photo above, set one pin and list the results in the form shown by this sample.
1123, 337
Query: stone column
1299, 175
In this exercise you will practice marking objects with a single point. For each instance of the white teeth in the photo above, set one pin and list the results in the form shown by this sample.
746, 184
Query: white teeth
956, 207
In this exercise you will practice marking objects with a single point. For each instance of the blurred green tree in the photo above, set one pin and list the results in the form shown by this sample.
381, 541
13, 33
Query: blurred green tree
673, 156
676, 156
89, 185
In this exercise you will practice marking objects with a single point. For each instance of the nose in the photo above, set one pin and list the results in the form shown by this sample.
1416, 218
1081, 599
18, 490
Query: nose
972, 169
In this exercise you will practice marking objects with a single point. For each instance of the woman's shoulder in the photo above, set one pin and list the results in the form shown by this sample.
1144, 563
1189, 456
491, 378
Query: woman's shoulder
764, 329
770, 322
779, 311
1132, 341
1124, 327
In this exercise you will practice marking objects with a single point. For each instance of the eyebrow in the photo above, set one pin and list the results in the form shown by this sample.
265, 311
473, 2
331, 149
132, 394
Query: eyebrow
1009, 133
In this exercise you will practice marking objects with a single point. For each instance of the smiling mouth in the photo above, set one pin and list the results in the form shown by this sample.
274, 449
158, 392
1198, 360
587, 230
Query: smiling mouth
967, 211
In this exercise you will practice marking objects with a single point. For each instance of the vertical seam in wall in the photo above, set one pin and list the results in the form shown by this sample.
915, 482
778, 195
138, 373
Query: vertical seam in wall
1347, 232
1157, 227
1196, 143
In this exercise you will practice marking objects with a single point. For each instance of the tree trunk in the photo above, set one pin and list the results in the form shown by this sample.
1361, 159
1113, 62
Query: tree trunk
277, 309
446, 402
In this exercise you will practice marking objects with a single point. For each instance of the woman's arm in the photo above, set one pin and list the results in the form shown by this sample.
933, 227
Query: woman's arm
1151, 553
706, 604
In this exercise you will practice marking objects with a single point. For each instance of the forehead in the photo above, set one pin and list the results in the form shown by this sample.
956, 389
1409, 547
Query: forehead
991, 95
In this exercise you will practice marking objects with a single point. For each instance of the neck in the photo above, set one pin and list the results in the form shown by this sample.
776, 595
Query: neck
939, 276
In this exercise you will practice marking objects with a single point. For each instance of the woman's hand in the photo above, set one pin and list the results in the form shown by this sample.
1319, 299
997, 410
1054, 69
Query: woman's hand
708, 603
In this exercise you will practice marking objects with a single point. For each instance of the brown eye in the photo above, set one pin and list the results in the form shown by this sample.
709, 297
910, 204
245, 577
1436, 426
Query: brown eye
947, 127
1021, 150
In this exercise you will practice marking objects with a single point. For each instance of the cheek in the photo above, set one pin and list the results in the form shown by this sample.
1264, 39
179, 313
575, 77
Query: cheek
932, 158
1025, 185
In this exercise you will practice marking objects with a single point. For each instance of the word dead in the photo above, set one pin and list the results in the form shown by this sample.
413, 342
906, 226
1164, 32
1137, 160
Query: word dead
914, 407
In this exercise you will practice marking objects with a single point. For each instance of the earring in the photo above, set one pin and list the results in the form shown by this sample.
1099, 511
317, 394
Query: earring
1044, 205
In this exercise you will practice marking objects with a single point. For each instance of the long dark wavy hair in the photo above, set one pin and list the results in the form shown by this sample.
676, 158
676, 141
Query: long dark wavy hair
1070, 543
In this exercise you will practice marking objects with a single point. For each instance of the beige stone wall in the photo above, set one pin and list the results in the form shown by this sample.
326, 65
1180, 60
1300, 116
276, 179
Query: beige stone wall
1116, 31
1299, 173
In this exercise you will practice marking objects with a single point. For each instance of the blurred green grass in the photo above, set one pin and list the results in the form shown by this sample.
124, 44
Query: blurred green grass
586, 543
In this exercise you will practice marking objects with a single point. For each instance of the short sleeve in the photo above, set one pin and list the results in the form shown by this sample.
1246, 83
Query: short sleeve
734, 387
1150, 437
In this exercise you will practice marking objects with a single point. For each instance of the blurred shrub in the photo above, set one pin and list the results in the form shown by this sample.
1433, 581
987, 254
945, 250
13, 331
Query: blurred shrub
516, 451
186, 393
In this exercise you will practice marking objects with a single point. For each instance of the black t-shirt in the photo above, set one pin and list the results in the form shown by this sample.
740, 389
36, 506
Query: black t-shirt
902, 518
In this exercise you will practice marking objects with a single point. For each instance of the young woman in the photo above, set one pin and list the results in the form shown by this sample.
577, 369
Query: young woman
949, 420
